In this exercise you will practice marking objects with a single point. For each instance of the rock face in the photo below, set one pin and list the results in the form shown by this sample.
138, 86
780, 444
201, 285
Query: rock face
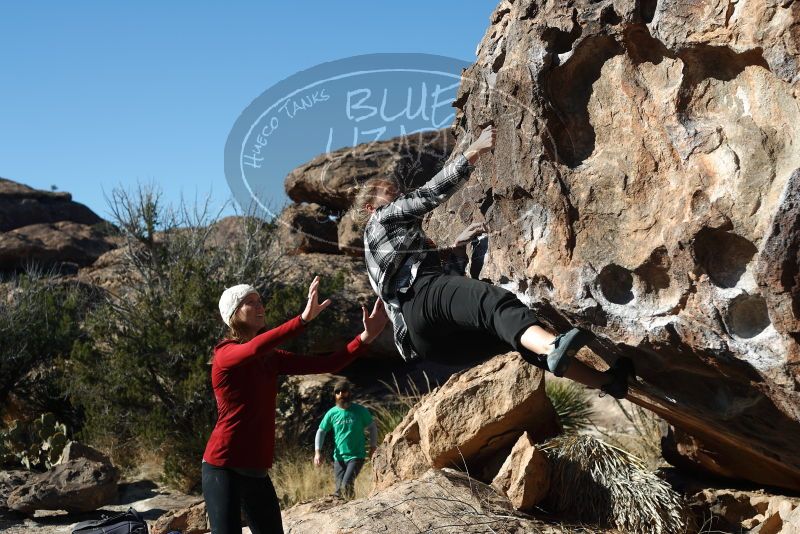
525, 475
76, 486
440, 501
331, 179
471, 421
645, 185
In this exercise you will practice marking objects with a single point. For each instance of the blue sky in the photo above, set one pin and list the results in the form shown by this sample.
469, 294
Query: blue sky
95, 95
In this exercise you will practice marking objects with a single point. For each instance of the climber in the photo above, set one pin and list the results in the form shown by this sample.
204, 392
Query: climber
441, 315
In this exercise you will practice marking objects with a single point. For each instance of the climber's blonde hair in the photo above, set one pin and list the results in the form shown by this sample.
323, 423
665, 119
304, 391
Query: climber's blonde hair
366, 195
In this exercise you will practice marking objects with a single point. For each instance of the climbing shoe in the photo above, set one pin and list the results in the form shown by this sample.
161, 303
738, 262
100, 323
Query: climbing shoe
619, 373
565, 347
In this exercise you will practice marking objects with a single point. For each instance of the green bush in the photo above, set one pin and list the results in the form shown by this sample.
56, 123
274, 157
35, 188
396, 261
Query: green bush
40, 320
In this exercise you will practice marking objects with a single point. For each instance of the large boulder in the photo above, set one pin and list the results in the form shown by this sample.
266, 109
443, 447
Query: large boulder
21, 205
332, 179
469, 423
645, 185
80, 485
54, 245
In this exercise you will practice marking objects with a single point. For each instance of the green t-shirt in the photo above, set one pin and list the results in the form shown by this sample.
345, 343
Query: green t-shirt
348, 431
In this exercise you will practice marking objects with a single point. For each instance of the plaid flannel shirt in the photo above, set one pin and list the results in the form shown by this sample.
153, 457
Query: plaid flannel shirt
395, 244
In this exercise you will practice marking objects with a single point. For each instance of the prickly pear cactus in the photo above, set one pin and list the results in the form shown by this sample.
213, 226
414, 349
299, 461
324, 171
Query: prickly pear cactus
35, 445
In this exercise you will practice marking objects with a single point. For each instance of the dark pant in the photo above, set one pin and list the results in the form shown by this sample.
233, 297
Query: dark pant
345, 473
457, 319
227, 492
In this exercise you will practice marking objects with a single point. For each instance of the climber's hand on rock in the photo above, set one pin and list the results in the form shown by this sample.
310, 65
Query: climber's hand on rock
484, 143
469, 233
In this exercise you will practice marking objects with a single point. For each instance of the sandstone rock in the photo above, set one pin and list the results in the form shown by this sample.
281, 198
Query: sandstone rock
306, 228
75, 450
191, 520
9, 481
440, 501
469, 422
21, 205
331, 179
76, 486
53, 244
645, 186
525, 476
730, 510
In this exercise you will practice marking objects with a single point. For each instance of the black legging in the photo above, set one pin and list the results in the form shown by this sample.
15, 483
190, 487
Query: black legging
226, 492
457, 319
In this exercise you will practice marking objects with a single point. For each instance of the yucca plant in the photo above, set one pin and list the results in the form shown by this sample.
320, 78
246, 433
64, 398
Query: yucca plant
596, 482
571, 403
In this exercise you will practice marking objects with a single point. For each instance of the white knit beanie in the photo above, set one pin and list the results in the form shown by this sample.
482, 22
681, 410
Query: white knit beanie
231, 298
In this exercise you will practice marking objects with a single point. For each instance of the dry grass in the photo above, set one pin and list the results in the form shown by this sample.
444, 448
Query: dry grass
297, 479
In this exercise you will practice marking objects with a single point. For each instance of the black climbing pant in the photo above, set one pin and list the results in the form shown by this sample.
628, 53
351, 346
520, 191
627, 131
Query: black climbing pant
227, 492
454, 319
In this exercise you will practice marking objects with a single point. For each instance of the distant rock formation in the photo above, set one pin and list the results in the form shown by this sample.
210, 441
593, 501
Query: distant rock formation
48, 230
645, 185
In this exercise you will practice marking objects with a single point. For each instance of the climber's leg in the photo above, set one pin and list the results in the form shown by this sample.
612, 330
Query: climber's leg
442, 309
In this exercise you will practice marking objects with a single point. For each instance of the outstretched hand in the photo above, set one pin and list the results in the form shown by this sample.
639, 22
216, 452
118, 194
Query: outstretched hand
313, 307
469, 233
375, 322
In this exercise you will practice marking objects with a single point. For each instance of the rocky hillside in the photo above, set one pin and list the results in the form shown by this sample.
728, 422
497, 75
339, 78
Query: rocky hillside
646, 179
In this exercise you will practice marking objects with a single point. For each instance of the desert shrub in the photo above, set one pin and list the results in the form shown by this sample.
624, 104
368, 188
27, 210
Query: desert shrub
40, 318
572, 404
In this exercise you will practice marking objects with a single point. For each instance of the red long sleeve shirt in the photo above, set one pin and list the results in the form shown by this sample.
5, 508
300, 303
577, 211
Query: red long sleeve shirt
244, 377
